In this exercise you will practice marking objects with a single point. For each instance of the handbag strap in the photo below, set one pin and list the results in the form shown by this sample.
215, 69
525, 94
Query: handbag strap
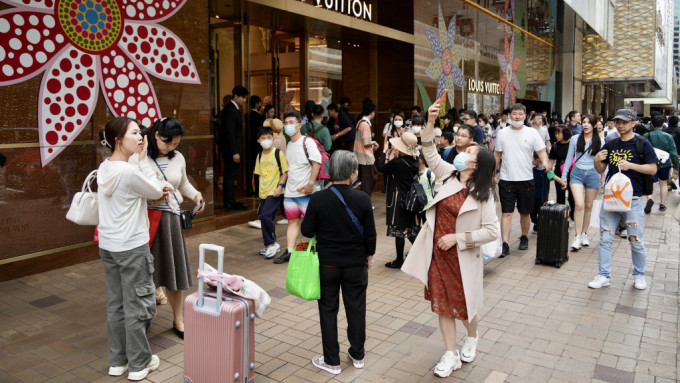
88, 181
349, 211
179, 205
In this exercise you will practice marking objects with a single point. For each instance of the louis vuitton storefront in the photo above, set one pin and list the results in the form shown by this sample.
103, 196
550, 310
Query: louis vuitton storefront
66, 70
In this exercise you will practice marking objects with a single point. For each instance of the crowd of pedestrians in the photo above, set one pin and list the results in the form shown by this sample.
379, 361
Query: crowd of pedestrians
443, 180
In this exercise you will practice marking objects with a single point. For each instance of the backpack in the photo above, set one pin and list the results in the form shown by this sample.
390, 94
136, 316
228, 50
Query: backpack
314, 132
278, 160
325, 159
415, 200
647, 179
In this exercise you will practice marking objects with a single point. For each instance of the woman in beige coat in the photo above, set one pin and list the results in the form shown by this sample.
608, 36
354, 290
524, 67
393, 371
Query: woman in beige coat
446, 255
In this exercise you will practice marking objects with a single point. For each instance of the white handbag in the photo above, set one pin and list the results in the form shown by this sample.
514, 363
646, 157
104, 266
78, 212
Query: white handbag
84, 208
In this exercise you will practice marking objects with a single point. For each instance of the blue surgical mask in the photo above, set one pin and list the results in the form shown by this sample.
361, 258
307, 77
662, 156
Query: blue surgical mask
460, 162
290, 130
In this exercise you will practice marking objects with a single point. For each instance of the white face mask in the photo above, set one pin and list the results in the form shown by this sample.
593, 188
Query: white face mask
266, 144
515, 124
416, 129
398, 123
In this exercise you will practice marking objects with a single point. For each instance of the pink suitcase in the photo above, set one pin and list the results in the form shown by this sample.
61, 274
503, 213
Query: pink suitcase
219, 332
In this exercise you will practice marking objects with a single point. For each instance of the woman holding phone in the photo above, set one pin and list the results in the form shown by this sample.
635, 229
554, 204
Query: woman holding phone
171, 258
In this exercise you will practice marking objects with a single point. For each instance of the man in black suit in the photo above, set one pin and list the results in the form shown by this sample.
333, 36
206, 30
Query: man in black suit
231, 144
347, 127
254, 123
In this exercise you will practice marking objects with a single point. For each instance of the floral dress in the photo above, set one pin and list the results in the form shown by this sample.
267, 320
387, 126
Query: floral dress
445, 282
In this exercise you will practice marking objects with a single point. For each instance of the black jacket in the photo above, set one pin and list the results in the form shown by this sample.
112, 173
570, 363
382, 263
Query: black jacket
231, 134
399, 173
338, 240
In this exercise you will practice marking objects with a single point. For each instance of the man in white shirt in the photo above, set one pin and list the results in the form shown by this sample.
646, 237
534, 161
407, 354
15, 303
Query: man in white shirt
304, 163
515, 145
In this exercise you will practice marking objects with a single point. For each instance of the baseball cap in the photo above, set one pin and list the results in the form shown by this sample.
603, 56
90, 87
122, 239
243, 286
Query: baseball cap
625, 115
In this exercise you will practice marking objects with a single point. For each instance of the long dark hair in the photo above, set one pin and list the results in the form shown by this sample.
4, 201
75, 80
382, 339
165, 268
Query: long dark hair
595, 144
167, 129
481, 185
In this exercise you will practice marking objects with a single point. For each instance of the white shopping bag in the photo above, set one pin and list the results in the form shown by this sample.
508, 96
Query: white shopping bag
493, 249
662, 155
595, 214
618, 193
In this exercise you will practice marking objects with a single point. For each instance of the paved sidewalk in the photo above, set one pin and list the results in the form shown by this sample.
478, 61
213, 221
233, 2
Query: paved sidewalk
539, 323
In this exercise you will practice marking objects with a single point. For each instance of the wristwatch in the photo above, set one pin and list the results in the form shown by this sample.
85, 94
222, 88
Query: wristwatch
282, 185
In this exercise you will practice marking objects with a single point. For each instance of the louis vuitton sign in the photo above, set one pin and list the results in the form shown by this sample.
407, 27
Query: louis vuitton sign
356, 8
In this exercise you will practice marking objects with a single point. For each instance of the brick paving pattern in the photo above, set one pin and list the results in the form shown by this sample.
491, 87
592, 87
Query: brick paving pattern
538, 324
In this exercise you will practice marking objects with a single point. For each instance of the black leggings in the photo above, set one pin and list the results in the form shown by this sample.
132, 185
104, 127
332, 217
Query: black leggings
400, 243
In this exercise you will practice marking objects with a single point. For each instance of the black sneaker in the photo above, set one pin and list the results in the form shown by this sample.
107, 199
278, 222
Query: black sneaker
662, 207
535, 228
523, 242
648, 207
506, 250
283, 258
396, 264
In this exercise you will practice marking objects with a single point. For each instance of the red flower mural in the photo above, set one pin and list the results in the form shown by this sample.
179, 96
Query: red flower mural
82, 45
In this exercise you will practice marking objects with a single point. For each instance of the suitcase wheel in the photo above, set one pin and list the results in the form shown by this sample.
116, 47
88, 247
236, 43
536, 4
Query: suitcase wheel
558, 264
537, 261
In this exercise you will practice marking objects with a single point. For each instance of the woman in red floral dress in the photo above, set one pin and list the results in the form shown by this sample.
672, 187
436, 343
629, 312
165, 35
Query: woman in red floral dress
446, 255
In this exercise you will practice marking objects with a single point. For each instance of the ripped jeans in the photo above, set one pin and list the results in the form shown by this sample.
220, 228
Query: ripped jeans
130, 306
609, 220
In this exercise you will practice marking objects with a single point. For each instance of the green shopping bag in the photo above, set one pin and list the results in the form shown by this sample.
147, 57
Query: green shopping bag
302, 278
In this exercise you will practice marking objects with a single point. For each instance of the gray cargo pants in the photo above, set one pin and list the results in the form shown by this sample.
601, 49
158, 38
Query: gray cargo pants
131, 305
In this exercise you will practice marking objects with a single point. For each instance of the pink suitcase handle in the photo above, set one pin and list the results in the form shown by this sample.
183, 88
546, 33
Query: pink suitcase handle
208, 306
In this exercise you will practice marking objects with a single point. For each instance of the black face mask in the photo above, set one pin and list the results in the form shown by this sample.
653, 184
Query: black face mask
344, 109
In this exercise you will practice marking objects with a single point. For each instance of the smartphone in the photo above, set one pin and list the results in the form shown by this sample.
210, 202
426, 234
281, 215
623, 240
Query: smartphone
441, 98
197, 208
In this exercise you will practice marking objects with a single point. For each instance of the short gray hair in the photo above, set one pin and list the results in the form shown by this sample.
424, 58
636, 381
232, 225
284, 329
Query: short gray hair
343, 164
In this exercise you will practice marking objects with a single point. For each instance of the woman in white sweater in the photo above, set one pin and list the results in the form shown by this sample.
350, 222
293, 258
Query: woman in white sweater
169, 249
124, 185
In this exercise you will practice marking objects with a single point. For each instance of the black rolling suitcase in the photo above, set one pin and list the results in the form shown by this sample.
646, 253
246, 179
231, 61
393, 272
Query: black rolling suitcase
552, 247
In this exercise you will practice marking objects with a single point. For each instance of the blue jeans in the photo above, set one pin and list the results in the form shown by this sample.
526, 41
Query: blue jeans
608, 222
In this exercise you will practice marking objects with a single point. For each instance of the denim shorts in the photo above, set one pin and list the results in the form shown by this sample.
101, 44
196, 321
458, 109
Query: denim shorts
589, 178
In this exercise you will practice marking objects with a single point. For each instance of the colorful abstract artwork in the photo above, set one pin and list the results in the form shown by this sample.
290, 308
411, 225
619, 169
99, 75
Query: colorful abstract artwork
86, 45
285, 98
447, 56
509, 63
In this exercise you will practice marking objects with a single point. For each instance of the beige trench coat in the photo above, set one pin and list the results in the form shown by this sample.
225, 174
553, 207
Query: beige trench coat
475, 226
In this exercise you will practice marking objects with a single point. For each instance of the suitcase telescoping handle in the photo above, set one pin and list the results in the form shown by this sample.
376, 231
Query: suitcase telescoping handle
210, 306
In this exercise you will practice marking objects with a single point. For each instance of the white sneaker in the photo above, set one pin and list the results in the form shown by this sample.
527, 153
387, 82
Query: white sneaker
117, 371
448, 363
584, 240
576, 243
640, 282
272, 250
140, 375
469, 349
263, 251
255, 224
624, 233
599, 281
282, 222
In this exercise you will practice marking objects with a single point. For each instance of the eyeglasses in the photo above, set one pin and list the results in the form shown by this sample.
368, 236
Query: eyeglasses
461, 136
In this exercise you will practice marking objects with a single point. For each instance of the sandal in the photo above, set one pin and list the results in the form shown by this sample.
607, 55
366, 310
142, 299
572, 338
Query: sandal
318, 362
161, 298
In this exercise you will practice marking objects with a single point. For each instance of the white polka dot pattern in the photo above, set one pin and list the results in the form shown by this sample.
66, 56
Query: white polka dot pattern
156, 10
126, 88
67, 99
160, 52
25, 51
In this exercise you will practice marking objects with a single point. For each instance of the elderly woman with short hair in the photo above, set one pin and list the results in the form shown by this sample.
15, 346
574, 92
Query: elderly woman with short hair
341, 218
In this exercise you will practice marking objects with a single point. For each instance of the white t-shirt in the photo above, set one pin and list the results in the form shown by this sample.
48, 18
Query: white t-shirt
299, 168
518, 147
543, 132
